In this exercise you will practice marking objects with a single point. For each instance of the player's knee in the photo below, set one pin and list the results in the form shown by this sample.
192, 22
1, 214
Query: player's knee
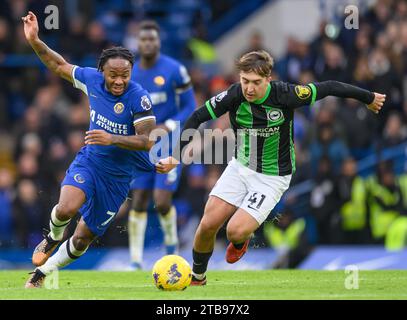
163, 208
140, 207
208, 227
81, 243
236, 234
65, 211
140, 203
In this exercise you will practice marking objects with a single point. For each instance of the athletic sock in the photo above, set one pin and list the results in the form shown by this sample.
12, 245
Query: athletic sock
66, 254
57, 226
200, 264
168, 224
137, 229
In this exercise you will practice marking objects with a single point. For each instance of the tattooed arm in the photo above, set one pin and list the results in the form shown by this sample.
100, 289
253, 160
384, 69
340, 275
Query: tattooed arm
54, 61
139, 141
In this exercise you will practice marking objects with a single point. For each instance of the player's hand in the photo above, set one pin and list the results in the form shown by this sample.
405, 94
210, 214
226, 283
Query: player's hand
377, 103
166, 165
99, 137
30, 26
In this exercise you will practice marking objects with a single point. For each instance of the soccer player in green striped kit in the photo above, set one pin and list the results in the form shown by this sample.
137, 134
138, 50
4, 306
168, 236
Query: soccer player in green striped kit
261, 113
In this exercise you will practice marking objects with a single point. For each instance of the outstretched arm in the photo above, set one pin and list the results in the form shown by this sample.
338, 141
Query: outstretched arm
299, 95
374, 101
54, 61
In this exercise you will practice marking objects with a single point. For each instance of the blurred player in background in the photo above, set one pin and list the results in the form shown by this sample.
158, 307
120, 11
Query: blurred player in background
261, 114
97, 182
173, 100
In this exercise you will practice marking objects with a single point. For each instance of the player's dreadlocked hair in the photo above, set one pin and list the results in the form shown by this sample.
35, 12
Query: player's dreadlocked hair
115, 52
259, 62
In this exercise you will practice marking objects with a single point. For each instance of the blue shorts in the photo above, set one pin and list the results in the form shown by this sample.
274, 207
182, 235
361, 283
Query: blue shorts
153, 180
104, 194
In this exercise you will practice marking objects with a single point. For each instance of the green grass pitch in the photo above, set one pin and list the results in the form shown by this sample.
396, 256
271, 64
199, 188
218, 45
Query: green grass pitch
222, 285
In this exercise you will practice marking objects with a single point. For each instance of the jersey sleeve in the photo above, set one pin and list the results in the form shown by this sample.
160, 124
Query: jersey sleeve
222, 102
142, 108
82, 76
182, 79
294, 95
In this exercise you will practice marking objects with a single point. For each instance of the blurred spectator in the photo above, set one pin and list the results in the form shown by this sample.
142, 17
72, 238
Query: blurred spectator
385, 200
96, 39
57, 161
5, 38
29, 125
396, 237
360, 127
75, 43
323, 201
78, 118
17, 102
353, 224
30, 213
332, 64
394, 133
297, 59
75, 142
130, 40
20, 44
7, 223
198, 48
302, 165
379, 15
385, 80
217, 84
28, 166
255, 43
287, 235
328, 145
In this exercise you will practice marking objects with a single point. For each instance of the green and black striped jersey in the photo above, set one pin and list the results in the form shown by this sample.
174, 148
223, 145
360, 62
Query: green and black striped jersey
264, 128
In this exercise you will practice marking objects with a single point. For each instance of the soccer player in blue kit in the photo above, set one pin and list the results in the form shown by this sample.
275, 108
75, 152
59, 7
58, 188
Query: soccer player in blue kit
173, 100
98, 180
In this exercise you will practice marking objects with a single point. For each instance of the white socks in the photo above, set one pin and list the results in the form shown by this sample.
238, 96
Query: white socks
66, 254
169, 226
57, 226
198, 276
137, 229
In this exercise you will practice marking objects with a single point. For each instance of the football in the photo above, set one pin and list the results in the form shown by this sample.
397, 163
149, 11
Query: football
172, 273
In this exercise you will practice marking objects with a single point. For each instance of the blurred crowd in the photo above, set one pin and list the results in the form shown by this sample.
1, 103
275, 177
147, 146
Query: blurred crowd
43, 120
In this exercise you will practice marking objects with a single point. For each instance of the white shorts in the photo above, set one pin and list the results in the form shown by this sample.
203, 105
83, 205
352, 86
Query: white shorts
254, 192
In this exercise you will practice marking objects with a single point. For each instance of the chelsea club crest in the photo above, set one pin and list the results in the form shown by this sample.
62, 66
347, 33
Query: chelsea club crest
118, 107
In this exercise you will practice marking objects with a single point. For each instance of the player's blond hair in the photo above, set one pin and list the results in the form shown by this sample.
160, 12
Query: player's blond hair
259, 62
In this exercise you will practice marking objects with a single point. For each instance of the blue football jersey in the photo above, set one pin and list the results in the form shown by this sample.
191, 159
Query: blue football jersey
164, 80
170, 89
116, 115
